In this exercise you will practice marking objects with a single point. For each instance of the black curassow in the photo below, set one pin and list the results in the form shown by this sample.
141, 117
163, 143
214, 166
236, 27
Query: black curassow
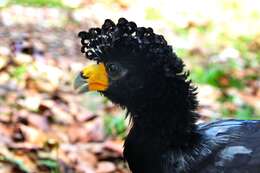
138, 70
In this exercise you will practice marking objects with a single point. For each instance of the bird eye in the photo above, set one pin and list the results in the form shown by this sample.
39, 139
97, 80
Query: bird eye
115, 70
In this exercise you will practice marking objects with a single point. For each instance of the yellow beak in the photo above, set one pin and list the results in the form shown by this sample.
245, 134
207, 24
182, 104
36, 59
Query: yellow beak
92, 78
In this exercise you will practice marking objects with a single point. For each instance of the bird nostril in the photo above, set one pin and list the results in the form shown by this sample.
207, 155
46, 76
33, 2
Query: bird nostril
82, 75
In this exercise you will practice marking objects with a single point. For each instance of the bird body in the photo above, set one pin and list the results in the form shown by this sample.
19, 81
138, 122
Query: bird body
139, 71
229, 146
234, 145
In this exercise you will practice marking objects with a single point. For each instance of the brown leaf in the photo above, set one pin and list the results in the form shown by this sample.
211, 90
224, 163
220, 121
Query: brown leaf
114, 145
85, 116
95, 129
38, 121
3, 61
77, 132
21, 58
61, 116
105, 167
33, 135
31, 102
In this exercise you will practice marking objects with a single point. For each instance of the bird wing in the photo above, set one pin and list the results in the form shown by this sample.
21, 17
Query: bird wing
235, 146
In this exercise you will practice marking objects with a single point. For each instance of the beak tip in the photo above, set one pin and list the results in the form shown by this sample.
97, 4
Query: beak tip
83, 89
80, 84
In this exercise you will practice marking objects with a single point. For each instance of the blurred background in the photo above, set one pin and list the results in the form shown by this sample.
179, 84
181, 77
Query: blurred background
46, 128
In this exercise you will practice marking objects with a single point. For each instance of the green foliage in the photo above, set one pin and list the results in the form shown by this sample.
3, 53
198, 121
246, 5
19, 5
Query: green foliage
182, 52
181, 31
152, 14
210, 76
38, 3
225, 112
241, 44
241, 111
236, 83
19, 72
115, 125
207, 27
226, 98
245, 112
214, 74
53, 165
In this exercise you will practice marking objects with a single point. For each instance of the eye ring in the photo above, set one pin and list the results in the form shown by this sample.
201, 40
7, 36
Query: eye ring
113, 68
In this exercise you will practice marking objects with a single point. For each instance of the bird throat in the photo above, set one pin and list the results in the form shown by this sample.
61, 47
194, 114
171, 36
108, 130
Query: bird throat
154, 133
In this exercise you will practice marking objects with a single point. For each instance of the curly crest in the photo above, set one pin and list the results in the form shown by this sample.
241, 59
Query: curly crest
123, 37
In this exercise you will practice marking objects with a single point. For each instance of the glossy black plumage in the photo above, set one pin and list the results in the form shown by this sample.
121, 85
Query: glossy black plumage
162, 105
238, 149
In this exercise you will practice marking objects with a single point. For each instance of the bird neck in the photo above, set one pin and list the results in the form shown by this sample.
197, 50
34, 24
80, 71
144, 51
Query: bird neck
173, 125
162, 122
157, 131
168, 115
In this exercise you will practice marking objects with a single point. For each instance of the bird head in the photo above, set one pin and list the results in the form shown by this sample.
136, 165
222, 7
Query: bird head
133, 64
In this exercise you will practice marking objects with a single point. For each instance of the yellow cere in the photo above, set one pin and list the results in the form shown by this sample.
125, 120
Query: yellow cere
97, 77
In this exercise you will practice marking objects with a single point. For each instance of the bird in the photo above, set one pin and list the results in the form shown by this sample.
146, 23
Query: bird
138, 70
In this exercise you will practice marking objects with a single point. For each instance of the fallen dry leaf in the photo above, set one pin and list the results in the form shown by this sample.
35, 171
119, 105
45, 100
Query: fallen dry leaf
105, 167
